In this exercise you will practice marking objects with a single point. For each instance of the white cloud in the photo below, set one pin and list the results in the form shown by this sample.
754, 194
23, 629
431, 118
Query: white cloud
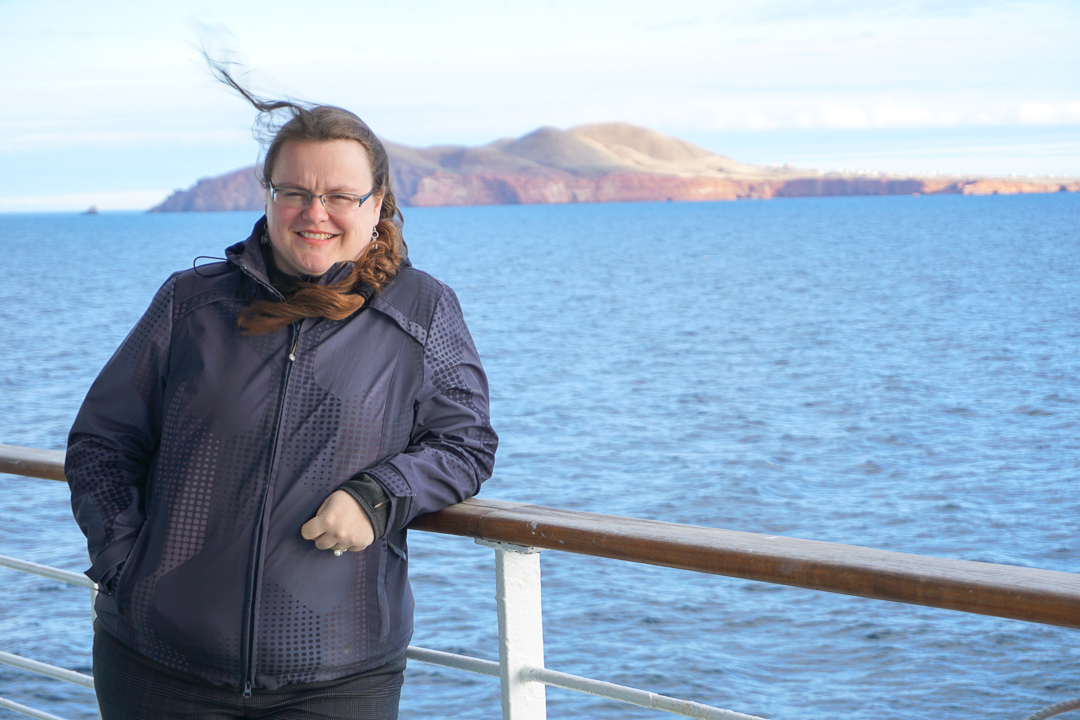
887, 113
746, 111
66, 138
1035, 113
114, 200
842, 116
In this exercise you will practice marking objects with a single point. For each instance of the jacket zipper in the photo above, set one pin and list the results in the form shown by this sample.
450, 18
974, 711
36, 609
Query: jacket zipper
249, 664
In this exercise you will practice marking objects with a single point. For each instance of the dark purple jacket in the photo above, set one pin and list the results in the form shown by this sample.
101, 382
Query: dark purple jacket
199, 452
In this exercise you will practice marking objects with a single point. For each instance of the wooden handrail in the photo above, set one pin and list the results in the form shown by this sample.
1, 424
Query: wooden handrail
32, 462
1007, 591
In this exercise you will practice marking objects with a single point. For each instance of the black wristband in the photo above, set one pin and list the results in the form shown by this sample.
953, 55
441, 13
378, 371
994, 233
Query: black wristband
373, 499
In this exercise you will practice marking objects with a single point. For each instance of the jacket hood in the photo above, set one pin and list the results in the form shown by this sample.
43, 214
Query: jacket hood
254, 258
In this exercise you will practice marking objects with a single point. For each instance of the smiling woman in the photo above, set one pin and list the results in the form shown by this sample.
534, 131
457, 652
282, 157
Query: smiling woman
308, 237
246, 464
329, 153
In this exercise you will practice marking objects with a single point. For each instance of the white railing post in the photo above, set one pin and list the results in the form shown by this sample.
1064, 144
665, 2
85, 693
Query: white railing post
521, 631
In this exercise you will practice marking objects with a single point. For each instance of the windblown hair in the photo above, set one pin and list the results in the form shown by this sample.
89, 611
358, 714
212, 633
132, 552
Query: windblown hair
375, 267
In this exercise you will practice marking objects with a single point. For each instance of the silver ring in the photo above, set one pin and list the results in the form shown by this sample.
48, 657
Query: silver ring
339, 551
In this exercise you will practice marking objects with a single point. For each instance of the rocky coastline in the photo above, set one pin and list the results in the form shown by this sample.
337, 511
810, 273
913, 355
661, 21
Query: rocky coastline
610, 162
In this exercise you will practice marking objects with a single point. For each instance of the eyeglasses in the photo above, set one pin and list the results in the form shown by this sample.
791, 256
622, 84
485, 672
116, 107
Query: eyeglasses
337, 202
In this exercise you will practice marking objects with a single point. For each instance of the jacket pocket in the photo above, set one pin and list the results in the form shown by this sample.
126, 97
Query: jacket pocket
121, 586
391, 558
384, 602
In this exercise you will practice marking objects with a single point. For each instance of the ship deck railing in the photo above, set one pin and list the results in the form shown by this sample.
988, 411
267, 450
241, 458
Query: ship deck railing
518, 532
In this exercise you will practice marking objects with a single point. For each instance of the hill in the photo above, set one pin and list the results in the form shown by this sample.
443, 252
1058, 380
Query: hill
605, 162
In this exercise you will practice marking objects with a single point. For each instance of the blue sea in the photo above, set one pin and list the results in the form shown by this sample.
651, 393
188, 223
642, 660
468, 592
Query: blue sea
892, 372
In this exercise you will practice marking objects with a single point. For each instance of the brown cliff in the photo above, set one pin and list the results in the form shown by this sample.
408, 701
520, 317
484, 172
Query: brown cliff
235, 191
608, 162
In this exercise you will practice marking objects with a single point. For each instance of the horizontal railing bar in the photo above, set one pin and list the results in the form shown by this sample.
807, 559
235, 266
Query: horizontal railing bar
1007, 591
32, 462
633, 696
45, 669
49, 572
419, 654
26, 710
450, 660
611, 691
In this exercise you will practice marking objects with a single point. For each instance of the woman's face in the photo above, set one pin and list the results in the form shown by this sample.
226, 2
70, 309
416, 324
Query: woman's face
307, 241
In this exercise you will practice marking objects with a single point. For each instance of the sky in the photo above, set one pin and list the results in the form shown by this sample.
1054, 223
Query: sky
111, 104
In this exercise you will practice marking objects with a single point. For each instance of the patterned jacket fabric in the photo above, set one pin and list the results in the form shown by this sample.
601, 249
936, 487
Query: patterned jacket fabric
199, 452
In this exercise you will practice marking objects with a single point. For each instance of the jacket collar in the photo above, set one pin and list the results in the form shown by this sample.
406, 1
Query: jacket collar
254, 258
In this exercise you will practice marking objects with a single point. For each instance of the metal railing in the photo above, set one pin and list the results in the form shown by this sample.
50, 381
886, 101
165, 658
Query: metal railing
518, 532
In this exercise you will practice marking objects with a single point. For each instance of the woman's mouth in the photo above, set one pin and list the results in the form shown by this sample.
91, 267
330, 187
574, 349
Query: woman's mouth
317, 236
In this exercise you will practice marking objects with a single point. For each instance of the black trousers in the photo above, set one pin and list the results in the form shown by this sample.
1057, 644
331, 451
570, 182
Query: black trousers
129, 687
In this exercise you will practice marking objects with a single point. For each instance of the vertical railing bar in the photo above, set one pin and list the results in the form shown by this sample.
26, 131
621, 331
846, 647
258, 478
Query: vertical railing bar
521, 630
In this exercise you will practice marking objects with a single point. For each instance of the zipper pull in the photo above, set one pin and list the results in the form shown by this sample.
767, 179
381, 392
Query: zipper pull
247, 690
292, 353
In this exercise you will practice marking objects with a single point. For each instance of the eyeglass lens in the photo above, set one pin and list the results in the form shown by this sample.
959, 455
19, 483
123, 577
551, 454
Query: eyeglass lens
293, 198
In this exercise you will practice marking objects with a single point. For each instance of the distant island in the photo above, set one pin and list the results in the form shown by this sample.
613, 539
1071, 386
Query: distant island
607, 162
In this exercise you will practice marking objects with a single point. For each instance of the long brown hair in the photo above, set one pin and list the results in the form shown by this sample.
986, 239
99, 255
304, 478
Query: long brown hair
378, 263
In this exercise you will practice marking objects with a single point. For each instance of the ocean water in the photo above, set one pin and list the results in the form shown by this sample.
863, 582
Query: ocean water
892, 372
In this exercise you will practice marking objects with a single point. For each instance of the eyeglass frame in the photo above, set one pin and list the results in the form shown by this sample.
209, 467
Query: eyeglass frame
322, 198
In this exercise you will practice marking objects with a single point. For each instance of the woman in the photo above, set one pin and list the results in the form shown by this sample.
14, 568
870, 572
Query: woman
246, 464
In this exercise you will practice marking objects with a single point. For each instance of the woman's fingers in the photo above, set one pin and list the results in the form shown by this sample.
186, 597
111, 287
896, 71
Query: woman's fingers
340, 523
313, 528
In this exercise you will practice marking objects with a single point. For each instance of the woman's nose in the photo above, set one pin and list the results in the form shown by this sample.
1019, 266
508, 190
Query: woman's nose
316, 211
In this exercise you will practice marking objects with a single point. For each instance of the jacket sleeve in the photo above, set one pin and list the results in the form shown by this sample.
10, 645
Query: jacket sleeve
115, 437
452, 444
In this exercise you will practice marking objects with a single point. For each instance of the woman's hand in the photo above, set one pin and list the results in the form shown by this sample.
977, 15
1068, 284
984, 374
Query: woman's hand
340, 523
